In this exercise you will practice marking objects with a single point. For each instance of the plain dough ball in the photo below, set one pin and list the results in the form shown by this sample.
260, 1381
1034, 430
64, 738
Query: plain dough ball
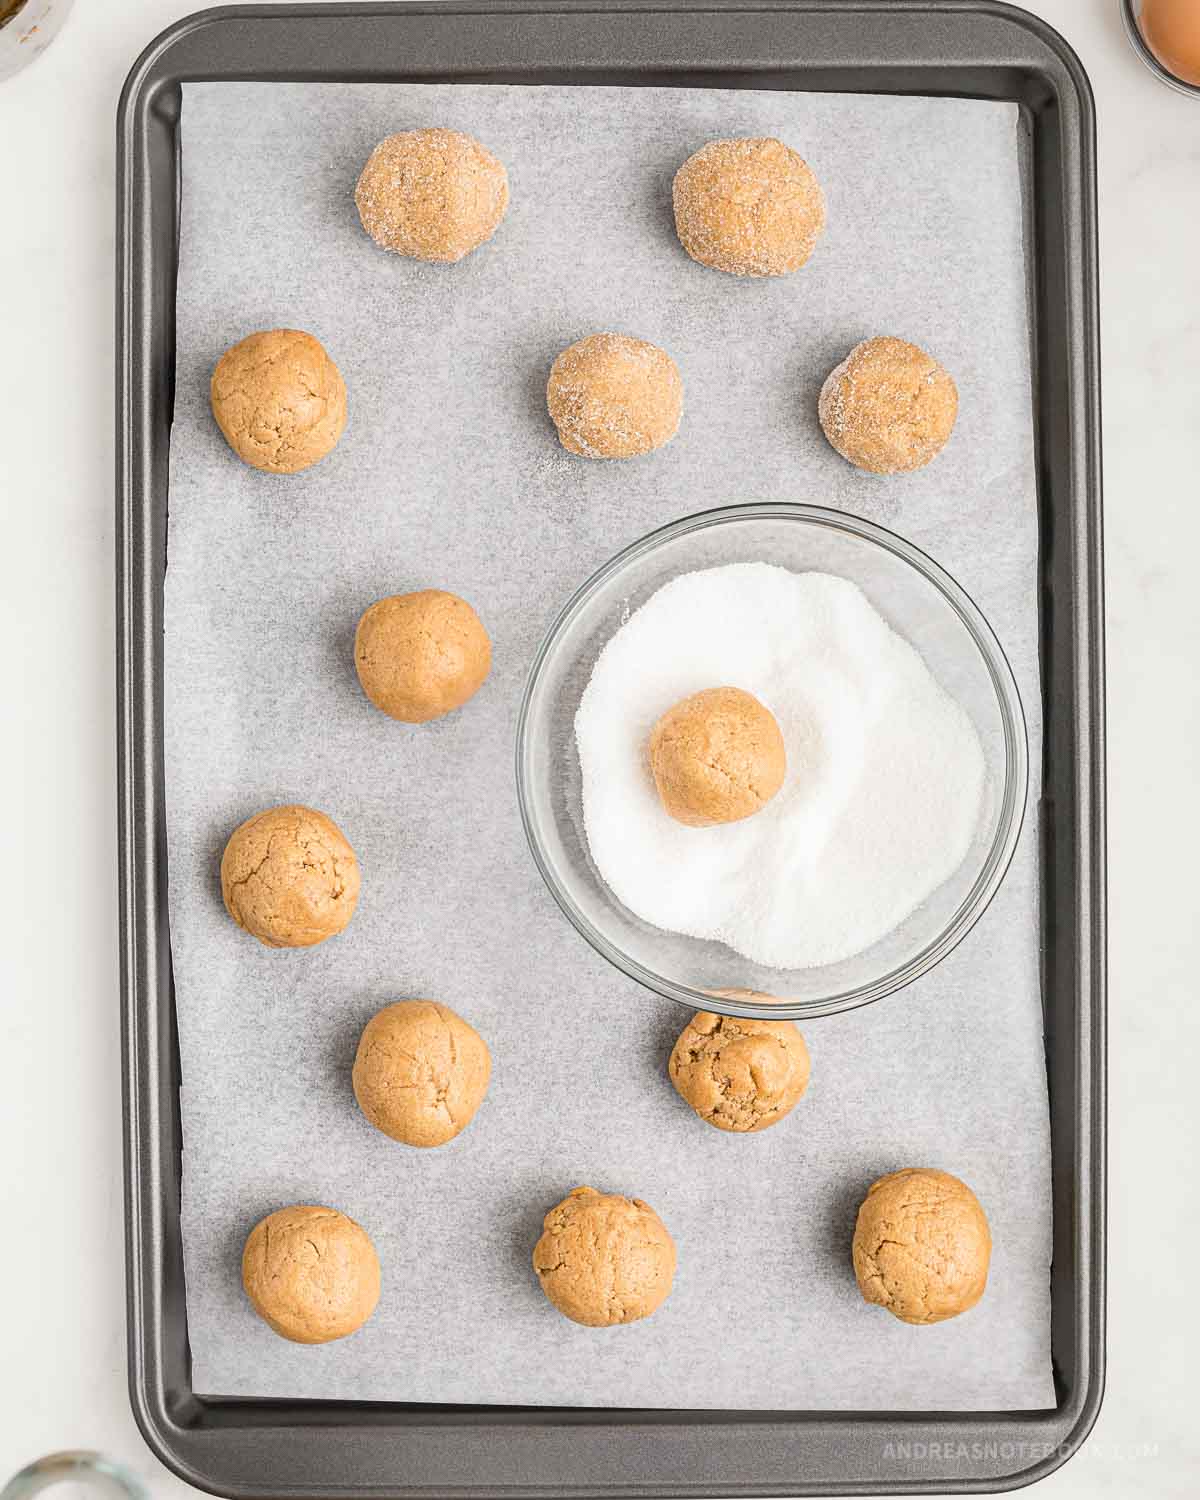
717, 757
311, 1273
603, 1259
289, 877
421, 1072
750, 206
738, 1073
613, 396
420, 656
888, 407
431, 194
921, 1245
280, 400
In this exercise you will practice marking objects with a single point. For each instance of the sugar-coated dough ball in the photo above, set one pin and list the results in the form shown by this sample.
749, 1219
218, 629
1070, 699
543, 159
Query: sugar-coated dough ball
750, 206
921, 1245
421, 1072
420, 656
613, 396
717, 757
289, 877
888, 407
311, 1273
737, 1073
431, 194
279, 399
603, 1259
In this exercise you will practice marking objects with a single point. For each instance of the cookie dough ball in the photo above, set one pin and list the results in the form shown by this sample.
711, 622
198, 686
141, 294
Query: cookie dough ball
737, 1073
431, 194
750, 206
311, 1273
888, 407
717, 757
603, 1259
280, 400
420, 656
289, 877
613, 396
421, 1072
921, 1245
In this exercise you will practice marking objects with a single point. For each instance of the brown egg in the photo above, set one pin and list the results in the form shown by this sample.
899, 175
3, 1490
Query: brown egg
1172, 32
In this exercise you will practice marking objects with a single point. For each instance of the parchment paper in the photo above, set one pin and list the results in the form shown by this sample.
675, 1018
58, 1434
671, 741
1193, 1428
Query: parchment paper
450, 475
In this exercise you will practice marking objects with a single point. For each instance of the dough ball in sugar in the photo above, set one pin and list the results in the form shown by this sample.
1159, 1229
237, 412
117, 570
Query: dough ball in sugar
311, 1273
279, 400
420, 656
614, 396
921, 1246
888, 407
885, 777
750, 206
717, 757
420, 1072
289, 877
604, 1259
432, 194
739, 1073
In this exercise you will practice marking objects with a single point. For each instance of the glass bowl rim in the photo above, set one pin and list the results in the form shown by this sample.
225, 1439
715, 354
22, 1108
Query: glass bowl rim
1010, 819
1142, 47
82, 1464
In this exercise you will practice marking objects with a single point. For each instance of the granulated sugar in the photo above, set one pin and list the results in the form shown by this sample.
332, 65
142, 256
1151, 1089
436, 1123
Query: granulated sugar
884, 782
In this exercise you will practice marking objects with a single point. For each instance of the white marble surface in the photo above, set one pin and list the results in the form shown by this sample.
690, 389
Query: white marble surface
62, 1367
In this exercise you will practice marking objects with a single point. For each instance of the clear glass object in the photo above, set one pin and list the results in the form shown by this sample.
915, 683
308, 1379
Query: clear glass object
75, 1475
27, 27
922, 603
1131, 10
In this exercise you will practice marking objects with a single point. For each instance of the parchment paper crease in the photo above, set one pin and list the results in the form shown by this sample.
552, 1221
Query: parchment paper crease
450, 475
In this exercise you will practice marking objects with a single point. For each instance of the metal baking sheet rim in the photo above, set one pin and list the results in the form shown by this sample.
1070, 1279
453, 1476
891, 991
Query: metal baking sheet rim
275, 1448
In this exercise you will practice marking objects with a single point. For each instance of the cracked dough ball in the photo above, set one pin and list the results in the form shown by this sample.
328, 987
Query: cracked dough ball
311, 1273
420, 656
888, 407
717, 757
431, 194
921, 1245
289, 877
280, 400
613, 396
603, 1259
750, 206
421, 1072
737, 1073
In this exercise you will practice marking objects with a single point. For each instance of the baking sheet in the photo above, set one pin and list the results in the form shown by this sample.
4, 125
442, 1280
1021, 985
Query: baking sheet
450, 475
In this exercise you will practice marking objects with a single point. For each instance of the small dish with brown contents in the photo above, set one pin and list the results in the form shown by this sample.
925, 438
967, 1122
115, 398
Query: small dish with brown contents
1165, 34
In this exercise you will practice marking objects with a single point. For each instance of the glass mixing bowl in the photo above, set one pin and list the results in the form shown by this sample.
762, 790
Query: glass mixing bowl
1131, 11
921, 603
